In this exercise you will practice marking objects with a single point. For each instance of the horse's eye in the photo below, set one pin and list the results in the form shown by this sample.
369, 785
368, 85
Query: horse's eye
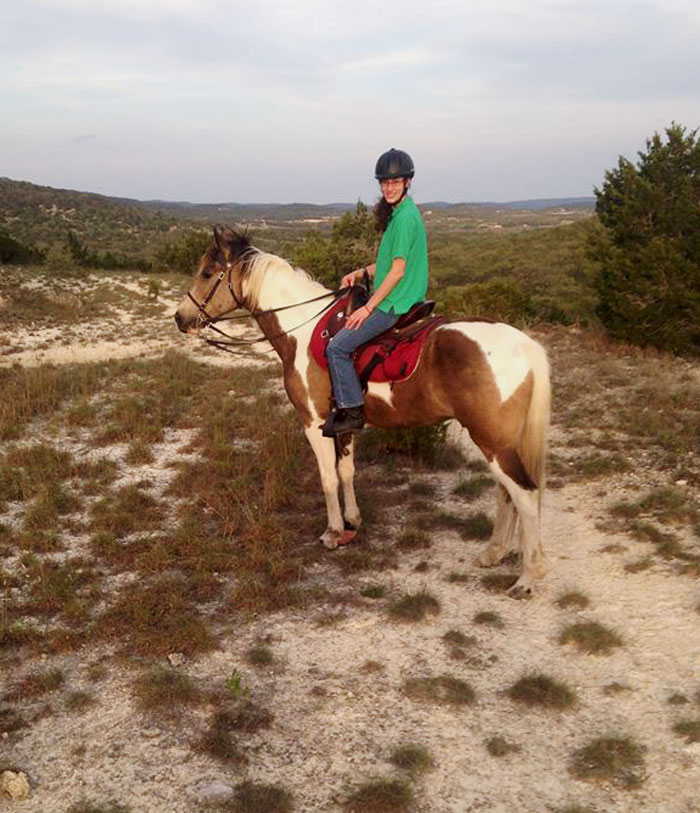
207, 273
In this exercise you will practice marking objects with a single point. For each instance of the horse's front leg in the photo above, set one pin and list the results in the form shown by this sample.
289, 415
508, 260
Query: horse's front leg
324, 449
346, 472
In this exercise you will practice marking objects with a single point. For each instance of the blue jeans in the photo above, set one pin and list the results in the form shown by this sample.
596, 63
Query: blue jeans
346, 384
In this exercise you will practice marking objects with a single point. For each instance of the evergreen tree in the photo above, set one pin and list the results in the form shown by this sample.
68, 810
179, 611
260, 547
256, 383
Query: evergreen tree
649, 247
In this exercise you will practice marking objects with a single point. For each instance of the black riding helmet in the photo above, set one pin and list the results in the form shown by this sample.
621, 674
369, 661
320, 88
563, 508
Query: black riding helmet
394, 164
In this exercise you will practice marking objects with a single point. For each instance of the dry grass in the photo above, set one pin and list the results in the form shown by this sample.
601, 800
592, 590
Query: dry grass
590, 637
473, 487
381, 796
165, 690
611, 759
488, 618
445, 689
499, 746
543, 691
414, 607
412, 758
413, 539
86, 806
375, 591
572, 600
498, 582
688, 729
157, 619
36, 684
251, 797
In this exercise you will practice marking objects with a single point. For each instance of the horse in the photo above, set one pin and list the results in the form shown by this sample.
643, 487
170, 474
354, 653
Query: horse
489, 376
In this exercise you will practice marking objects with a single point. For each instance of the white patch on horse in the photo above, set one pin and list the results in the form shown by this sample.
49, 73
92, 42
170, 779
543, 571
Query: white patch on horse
504, 349
381, 390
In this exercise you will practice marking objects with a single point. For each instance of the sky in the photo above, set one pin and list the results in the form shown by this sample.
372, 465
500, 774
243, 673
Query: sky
258, 101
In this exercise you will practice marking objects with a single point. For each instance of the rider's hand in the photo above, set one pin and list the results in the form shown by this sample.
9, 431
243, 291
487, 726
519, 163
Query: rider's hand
351, 278
358, 318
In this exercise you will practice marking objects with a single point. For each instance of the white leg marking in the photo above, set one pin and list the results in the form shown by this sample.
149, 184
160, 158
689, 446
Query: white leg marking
501, 541
346, 472
527, 506
325, 457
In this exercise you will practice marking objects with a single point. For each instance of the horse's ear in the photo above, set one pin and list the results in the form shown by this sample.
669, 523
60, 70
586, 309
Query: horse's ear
223, 237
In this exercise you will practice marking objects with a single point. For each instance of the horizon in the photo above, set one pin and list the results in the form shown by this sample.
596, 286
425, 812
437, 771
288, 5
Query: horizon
183, 202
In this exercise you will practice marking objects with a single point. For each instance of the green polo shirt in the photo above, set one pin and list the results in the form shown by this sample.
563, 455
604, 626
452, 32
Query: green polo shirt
404, 237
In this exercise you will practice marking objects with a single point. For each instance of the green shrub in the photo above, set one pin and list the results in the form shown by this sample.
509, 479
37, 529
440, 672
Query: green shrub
649, 283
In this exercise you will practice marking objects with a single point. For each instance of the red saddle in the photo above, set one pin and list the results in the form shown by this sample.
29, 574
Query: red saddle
390, 356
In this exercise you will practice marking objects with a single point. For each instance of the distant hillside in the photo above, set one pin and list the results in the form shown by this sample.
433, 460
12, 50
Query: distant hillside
536, 205
244, 212
41, 215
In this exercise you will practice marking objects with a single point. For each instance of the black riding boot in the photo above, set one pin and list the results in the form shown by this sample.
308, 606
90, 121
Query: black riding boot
351, 419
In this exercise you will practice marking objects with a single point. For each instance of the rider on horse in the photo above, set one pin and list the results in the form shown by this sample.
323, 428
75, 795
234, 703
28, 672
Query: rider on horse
400, 276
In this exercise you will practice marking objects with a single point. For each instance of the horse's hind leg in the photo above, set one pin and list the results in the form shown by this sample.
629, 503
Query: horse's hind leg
501, 542
526, 500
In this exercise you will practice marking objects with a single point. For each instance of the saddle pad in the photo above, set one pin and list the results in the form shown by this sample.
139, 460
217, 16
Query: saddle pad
392, 355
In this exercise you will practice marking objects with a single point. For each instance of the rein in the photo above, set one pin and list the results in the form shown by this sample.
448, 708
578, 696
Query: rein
231, 341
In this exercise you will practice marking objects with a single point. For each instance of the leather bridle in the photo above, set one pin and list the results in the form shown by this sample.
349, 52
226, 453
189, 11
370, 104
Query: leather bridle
208, 320
202, 306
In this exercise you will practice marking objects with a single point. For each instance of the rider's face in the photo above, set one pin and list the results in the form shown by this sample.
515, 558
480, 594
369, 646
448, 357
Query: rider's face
392, 189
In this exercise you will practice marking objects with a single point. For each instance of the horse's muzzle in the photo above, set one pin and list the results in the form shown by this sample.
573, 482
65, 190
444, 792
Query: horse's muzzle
184, 325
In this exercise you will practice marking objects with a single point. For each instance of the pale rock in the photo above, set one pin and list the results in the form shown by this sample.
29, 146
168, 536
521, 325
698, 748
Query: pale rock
15, 785
215, 793
176, 659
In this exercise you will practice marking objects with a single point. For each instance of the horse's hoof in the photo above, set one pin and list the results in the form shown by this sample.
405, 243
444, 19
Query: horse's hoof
347, 536
331, 540
484, 559
520, 591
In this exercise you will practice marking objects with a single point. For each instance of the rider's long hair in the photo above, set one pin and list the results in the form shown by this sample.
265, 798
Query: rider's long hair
382, 214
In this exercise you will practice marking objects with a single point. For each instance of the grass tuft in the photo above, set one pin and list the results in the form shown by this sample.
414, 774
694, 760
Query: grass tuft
37, 683
373, 591
690, 729
488, 618
252, 797
499, 746
615, 759
412, 758
444, 689
458, 638
590, 637
541, 690
86, 806
572, 600
78, 701
381, 796
498, 582
157, 619
165, 690
260, 655
473, 487
413, 539
414, 607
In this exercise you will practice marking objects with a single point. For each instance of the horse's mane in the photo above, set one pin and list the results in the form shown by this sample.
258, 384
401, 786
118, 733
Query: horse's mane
262, 267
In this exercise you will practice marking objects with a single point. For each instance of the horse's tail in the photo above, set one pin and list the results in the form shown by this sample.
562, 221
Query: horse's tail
532, 448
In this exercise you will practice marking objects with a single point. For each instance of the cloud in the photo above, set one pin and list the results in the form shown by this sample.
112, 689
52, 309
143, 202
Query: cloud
390, 60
